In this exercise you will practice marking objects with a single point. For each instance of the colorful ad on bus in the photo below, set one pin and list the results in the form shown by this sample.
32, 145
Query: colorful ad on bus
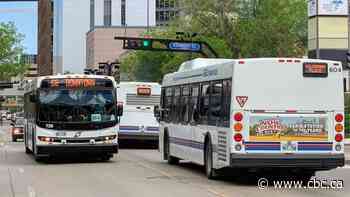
277, 128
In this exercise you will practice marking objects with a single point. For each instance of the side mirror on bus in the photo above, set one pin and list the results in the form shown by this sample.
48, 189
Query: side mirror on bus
156, 112
32, 98
119, 110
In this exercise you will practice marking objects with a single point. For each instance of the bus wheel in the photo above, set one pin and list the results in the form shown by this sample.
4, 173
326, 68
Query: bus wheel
209, 170
28, 151
171, 160
106, 157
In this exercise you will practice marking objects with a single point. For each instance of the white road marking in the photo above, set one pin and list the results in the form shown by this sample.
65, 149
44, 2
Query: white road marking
31, 191
346, 166
21, 170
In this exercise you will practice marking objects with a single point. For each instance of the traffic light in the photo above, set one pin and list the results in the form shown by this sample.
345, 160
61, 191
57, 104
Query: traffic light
138, 44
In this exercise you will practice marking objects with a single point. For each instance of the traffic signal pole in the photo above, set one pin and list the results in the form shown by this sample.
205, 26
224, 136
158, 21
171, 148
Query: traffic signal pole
151, 44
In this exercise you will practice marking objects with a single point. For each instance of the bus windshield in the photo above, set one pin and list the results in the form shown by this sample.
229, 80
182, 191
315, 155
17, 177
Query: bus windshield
76, 106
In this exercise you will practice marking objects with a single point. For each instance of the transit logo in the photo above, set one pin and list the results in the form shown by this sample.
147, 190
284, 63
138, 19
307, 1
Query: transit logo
241, 100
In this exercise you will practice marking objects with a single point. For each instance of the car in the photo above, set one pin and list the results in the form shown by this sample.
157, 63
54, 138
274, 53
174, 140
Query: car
17, 130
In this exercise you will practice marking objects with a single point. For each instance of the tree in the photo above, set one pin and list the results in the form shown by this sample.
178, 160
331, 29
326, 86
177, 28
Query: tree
10, 52
234, 28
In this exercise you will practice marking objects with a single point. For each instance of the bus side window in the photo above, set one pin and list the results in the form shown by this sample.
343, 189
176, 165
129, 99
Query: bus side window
168, 104
215, 103
226, 103
204, 103
193, 104
184, 104
176, 105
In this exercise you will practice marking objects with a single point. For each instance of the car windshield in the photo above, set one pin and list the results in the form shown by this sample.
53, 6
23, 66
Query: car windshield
72, 106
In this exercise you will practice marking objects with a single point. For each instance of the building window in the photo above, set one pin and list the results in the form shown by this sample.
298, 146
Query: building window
92, 14
123, 12
107, 13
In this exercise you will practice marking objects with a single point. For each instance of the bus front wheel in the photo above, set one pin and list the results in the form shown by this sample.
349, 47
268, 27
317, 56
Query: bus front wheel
171, 160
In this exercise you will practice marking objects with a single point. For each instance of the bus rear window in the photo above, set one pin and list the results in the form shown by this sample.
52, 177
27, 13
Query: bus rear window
315, 70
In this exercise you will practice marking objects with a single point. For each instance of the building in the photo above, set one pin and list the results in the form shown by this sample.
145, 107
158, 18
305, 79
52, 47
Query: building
32, 61
166, 10
101, 47
109, 18
70, 24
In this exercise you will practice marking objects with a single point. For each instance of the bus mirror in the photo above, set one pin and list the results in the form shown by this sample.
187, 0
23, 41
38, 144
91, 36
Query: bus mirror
156, 112
12, 124
119, 110
32, 98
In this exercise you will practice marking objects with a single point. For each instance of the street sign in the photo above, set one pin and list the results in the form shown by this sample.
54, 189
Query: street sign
185, 46
152, 44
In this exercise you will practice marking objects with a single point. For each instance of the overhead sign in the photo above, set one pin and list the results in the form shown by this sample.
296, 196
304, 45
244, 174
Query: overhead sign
327, 7
185, 46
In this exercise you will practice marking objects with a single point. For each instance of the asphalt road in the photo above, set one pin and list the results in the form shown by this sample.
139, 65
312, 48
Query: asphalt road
133, 172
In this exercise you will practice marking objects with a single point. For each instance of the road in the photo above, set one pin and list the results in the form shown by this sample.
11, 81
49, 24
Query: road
134, 172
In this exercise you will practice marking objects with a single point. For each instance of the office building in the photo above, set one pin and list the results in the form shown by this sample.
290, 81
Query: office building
166, 10
109, 18
70, 24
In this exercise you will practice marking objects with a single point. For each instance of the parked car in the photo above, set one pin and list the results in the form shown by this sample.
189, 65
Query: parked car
17, 129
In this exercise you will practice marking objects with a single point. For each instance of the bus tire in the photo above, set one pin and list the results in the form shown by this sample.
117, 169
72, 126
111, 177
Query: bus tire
171, 160
208, 160
28, 151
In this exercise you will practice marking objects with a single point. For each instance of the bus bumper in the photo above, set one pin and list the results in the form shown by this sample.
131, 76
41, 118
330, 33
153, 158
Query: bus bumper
138, 136
306, 161
96, 149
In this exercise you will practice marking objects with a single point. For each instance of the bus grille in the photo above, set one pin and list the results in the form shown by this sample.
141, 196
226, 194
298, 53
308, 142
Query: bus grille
222, 146
133, 99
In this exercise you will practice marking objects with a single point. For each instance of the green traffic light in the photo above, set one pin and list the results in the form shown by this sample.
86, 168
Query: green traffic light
146, 43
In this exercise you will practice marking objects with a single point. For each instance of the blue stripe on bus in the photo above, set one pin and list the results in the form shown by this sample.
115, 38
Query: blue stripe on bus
269, 146
129, 128
315, 146
188, 143
152, 128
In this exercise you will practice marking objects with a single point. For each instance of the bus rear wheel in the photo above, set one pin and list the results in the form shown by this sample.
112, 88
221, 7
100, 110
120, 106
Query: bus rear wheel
28, 151
208, 161
171, 160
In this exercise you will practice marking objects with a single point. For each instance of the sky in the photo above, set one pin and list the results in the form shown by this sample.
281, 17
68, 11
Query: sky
24, 15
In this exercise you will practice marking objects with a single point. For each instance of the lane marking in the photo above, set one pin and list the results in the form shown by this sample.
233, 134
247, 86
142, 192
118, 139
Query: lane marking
31, 191
346, 166
21, 170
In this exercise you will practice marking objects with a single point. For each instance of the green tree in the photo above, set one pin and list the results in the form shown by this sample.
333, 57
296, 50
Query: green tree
234, 28
10, 52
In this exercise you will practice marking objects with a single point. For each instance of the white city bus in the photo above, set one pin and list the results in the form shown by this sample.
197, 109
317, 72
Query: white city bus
268, 113
138, 121
71, 114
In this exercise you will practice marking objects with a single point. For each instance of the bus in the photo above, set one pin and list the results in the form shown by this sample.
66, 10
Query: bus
75, 114
254, 114
138, 122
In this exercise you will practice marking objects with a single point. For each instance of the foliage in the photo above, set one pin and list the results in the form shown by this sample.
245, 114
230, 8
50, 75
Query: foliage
10, 52
234, 28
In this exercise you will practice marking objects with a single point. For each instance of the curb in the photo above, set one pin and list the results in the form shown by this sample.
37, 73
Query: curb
347, 142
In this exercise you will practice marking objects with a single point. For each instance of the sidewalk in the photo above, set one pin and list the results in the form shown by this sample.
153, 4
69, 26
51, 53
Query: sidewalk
347, 141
